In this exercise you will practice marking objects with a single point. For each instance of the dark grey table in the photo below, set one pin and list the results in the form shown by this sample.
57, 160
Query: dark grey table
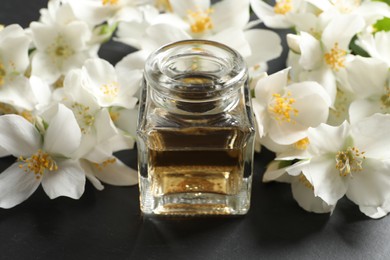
108, 224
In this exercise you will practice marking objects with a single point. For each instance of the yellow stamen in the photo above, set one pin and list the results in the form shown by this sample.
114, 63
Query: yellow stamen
336, 57
200, 20
304, 181
3, 73
83, 116
282, 6
282, 107
110, 90
114, 115
104, 164
302, 144
349, 160
59, 50
38, 163
28, 116
164, 5
110, 2
385, 99
7, 109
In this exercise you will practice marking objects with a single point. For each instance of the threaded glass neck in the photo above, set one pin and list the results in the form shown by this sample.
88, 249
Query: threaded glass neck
195, 75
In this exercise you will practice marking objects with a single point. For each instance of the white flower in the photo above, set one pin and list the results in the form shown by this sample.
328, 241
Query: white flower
324, 60
377, 45
369, 80
302, 189
352, 160
200, 20
111, 171
94, 122
369, 10
14, 86
278, 15
41, 160
102, 81
285, 112
59, 48
14, 44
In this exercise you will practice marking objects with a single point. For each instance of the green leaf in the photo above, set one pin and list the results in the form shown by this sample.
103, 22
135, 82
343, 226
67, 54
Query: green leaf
356, 49
382, 25
384, 1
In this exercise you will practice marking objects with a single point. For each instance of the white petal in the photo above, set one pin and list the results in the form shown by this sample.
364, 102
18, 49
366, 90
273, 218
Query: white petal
100, 71
43, 35
262, 51
14, 49
182, 7
105, 128
362, 108
4, 152
370, 187
18, 136
326, 139
18, 93
275, 172
341, 29
286, 133
375, 212
326, 180
44, 67
161, 34
230, 13
261, 117
267, 15
41, 91
68, 180
90, 175
238, 42
63, 136
274, 83
363, 72
16, 186
371, 135
117, 173
311, 52
306, 199
127, 121
325, 77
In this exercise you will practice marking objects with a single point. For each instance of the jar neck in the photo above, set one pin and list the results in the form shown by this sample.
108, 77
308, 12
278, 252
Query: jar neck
195, 77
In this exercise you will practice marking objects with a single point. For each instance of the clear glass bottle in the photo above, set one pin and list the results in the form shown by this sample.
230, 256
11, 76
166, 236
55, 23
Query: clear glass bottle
195, 131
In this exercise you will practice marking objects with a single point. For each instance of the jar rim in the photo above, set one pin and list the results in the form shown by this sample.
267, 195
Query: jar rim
232, 65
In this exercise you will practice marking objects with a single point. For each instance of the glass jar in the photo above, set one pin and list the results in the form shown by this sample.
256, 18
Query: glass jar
195, 131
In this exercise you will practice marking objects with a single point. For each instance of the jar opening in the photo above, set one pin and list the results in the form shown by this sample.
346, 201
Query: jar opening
195, 70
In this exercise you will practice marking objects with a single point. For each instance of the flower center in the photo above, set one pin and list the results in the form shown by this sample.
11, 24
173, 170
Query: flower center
349, 160
83, 116
110, 90
3, 73
282, 107
59, 50
302, 144
282, 6
104, 164
7, 109
38, 163
110, 2
200, 20
164, 5
302, 179
346, 6
114, 115
385, 98
336, 57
